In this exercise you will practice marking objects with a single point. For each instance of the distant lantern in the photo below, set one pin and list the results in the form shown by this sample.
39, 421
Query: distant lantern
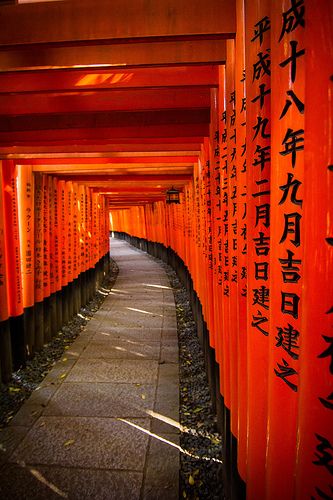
173, 195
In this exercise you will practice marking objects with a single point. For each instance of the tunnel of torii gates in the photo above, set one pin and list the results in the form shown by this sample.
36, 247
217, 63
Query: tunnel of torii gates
106, 105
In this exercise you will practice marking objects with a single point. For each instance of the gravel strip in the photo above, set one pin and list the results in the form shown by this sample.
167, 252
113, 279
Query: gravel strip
25, 380
201, 462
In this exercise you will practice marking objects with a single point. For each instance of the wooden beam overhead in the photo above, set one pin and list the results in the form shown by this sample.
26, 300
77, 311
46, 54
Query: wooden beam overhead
86, 20
98, 79
66, 136
112, 119
139, 178
104, 169
38, 153
105, 100
114, 56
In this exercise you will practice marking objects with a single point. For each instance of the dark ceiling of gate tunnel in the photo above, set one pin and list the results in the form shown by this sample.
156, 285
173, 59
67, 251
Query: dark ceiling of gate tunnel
124, 114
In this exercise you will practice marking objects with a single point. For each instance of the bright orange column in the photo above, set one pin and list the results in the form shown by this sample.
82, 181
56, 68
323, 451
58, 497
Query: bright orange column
314, 467
55, 238
232, 234
258, 162
224, 129
63, 232
241, 237
26, 225
286, 254
4, 310
223, 221
12, 238
46, 237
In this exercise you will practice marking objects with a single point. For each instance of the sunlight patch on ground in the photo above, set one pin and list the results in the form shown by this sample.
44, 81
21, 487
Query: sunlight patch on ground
170, 443
158, 286
47, 483
143, 312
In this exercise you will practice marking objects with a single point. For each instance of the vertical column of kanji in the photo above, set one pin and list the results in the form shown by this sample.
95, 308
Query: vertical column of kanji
223, 213
46, 259
55, 238
258, 157
4, 310
13, 259
95, 235
87, 224
70, 231
204, 235
53, 297
5, 346
26, 227
39, 261
164, 224
82, 244
183, 224
106, 231
76, 248
286, 254
241, 236
214, 159
99, 250
232, 327
209, 297
87, 232
63, 250
91, 229
12, 239
191, 215
197, 229
315, 430
225, 356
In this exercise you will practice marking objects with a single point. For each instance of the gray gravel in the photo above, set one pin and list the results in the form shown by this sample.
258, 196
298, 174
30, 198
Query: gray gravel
201, 462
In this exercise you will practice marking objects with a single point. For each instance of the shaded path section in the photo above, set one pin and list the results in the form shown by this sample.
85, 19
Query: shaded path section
104, 422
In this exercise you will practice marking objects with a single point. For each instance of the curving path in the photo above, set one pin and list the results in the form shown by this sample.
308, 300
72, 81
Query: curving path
104, 422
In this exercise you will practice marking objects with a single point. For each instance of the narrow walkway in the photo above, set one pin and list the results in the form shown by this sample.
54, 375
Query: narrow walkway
102, 425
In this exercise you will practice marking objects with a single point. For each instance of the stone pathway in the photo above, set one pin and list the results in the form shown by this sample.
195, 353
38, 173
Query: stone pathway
104, 422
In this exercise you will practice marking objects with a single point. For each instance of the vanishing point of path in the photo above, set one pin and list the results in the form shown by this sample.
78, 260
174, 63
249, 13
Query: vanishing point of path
103, 423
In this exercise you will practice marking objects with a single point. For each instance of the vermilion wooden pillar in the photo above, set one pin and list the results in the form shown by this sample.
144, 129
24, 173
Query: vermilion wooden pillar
216, 218
224, 129
13, 260
46, 259
258, 166
53, 295
232, 228
5, 347
286, 254
224, 216
241, 237
55, 241
63, 247
314, 462
27, 245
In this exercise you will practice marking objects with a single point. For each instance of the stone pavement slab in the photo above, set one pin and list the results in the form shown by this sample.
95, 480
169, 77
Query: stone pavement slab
104, 422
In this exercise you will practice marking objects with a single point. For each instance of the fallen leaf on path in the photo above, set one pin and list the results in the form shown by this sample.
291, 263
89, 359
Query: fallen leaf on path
191, 480
69, 442
14, 389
